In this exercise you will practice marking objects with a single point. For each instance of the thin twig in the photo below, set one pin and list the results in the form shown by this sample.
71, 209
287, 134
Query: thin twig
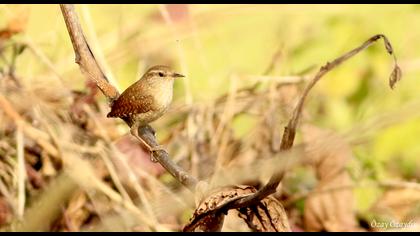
42, 57
91, 69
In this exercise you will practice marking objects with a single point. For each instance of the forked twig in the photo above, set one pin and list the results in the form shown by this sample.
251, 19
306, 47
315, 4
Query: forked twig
89, 66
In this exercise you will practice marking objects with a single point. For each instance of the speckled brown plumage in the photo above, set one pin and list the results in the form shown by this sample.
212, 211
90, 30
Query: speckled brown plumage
131, 103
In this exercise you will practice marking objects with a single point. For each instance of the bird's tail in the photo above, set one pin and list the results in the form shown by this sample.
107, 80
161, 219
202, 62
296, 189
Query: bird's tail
110, 114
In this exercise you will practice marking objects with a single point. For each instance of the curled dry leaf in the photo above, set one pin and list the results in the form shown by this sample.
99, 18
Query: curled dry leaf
332, 209
208, 215
329, 210
268, 215
75, 214
395, 76
211, 222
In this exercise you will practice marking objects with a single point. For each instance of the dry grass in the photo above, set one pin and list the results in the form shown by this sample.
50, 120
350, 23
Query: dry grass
65, 167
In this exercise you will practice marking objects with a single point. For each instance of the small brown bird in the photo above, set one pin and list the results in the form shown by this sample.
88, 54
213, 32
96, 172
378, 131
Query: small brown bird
146, 100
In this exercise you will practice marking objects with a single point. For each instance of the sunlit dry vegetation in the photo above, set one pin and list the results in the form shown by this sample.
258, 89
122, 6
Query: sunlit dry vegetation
351, 166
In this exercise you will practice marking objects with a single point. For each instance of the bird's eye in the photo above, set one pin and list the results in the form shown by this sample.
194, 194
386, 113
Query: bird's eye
160, 74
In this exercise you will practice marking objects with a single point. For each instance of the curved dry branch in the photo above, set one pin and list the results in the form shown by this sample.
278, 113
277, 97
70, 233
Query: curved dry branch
89, 66
84, 56
290, 129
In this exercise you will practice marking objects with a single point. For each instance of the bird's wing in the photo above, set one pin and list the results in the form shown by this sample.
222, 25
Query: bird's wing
129, 105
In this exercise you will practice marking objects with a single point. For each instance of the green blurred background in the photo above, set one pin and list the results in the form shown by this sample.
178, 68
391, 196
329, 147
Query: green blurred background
219, 40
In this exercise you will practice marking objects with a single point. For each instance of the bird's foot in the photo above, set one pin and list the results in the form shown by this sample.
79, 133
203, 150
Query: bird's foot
153, 150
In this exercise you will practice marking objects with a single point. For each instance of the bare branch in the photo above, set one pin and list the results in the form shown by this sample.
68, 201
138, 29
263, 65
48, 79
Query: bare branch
89, 66
290, 129
167, 163
84, 56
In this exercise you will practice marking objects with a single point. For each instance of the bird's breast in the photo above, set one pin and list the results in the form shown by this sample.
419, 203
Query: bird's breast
163, 94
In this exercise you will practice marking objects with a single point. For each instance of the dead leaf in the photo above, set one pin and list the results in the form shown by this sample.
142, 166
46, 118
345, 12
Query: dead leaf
331, 210
207, 216
395, 76
398, 204
75, 215
268, 215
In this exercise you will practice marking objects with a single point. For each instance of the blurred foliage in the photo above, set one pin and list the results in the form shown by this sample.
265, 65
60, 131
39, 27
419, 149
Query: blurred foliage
240, 39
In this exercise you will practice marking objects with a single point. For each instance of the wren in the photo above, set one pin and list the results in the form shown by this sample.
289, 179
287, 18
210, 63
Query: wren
146, 100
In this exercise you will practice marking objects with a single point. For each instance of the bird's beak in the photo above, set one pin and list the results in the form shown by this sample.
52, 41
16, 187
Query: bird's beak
176, 75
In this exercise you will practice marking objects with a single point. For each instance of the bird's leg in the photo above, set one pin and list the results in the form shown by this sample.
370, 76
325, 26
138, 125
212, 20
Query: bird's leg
135, 132
148, 127
155, 148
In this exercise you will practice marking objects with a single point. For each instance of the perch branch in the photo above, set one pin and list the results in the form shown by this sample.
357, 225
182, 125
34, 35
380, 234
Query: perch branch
290, 129
89, 66
84, 56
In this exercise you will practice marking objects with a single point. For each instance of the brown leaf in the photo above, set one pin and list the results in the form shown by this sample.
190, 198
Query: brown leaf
207, 216
75, 215
398, 204
212, 222
268, 216
331, 210
326, 151
395, 76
